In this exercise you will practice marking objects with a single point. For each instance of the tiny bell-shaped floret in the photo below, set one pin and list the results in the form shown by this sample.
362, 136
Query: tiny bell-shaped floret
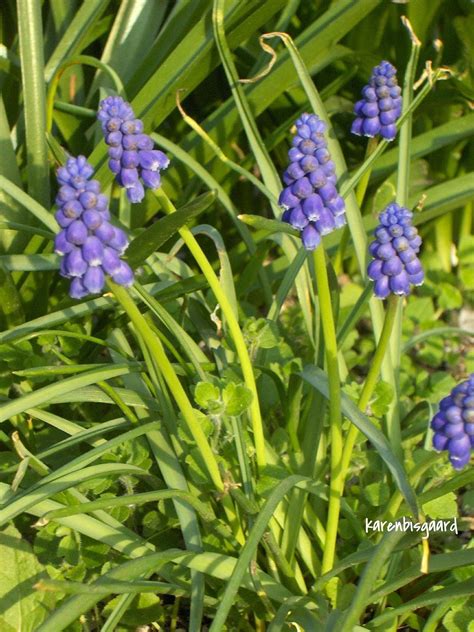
395, 266
381, 104
310, 200
89, 244
453, 424
133, 160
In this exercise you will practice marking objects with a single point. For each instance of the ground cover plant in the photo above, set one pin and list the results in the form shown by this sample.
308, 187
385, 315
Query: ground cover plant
237, 283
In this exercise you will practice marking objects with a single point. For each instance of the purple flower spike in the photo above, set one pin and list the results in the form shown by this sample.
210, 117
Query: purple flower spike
453, 425
395, 267
310, 201
132, 158
89, 244
381, 105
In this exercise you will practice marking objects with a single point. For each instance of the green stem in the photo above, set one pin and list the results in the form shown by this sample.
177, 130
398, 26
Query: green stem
329, 331
236, 333
158, 353
371, 379
403, 180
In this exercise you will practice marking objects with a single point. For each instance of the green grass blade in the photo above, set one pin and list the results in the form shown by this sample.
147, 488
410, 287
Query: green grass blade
47, 393
36, 208
249, 550
70, 44
93, 528
438, 564
269, 226
459, 589
422, 145
46, 490
369, 578
133, 31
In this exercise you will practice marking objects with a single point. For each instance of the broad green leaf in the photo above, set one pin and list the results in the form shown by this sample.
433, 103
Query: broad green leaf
442, 507
431, 597
205, 394
377, 493
381, 399
23, 608
237, 398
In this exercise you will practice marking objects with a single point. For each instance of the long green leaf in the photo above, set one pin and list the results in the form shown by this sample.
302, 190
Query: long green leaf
93, 528
369, 577
250, 548
459, 589
29, 203
70, 44
424, 144
152, 238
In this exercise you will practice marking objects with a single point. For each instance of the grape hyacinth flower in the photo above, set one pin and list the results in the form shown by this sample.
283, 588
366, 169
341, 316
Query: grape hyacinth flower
310, 199
131, 155
381, 105
395, 267
90, 246
453, 425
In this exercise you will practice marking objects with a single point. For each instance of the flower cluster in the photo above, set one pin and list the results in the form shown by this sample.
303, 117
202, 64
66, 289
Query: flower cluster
90, 245
310, 199
132, 157
453, 425
395, 266
381, 105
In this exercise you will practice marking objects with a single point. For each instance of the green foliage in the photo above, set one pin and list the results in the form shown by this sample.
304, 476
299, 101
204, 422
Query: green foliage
23, 608
170, 455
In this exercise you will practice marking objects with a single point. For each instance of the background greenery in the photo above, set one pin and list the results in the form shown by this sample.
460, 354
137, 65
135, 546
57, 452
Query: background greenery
89, 413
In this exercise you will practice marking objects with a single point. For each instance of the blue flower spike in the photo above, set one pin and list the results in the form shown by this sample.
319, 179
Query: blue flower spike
310, 199
453, 425
395, 266
88, 243
132, 159
381, 104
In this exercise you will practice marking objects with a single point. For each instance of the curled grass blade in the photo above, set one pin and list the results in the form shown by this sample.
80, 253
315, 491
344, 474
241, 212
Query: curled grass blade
87, 15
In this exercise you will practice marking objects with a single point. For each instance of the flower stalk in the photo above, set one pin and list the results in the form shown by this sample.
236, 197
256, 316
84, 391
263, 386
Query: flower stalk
234, 328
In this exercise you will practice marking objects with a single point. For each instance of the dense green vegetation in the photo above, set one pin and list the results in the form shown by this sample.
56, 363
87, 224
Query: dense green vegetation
170, 454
